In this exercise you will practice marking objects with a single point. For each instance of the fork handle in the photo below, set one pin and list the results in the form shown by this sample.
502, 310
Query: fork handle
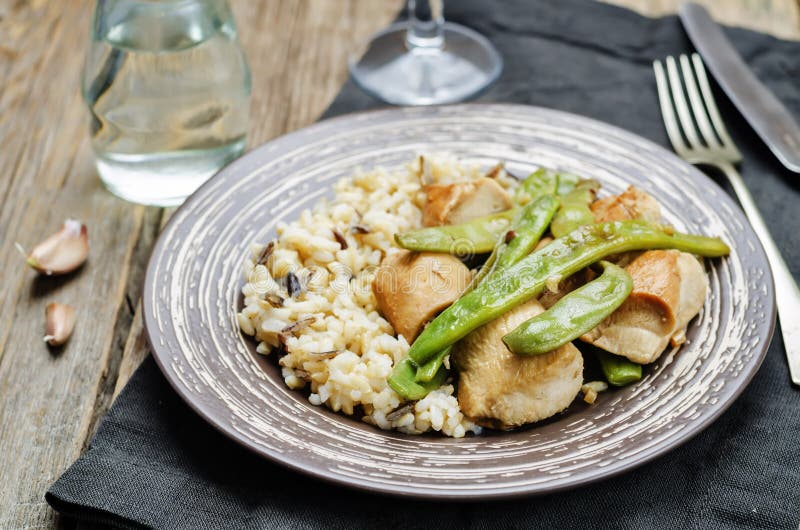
787, 294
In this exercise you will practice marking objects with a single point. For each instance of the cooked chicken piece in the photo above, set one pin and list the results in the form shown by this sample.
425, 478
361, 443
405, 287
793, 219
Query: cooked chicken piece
694, 287
450, 204
669, 289
500, 389
413, 287
633, 203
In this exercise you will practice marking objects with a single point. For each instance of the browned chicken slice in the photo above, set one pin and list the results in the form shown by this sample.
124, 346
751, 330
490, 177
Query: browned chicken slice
633, 203
450, 204
499, 389
669, 289
413, 287
694, 287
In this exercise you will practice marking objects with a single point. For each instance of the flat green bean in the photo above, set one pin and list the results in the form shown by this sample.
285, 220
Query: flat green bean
564, 256
428, 371
402, 381
543, 181
575, 211
618, 370
573, 315
567, 182
525, 231
477, 236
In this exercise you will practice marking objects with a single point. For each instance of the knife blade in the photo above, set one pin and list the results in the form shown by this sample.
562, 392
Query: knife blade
771, 120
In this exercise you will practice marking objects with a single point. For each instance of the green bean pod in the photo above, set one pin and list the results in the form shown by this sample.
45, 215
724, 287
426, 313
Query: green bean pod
473, 237
402, 380
575, 211
567, 183
563, 257
543, 181
572, 316
525, 230
428, 371
618, 370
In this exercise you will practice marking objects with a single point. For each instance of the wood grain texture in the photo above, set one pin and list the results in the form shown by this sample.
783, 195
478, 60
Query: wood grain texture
50, 402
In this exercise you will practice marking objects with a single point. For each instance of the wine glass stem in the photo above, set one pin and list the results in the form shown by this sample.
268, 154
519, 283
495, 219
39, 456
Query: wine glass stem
425, 25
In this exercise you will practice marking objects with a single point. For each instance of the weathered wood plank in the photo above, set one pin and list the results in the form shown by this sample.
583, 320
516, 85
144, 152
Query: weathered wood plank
136, 347
30, 164
54, 401
48, 397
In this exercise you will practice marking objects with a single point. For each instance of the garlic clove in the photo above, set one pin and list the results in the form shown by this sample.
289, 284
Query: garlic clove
62, 252
59, 323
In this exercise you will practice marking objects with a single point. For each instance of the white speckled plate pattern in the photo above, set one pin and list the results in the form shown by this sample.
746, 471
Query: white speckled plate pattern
194, 279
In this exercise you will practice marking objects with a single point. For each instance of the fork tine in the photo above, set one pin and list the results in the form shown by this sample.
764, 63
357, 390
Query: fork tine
684, 115
711, 105
698, 110
667, 112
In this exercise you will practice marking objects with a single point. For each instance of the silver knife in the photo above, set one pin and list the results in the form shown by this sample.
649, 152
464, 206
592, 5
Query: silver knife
768, 116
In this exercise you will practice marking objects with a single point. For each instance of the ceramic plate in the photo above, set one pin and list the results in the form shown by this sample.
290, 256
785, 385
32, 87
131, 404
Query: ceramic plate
192, 294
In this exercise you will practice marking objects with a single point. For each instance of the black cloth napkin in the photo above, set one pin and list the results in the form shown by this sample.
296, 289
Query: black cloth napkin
155, 463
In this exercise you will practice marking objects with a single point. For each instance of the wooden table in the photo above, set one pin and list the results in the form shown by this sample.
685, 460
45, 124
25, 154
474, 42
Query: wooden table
51, 402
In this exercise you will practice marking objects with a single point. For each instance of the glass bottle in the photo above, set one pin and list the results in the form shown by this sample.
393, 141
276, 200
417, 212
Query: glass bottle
168, 89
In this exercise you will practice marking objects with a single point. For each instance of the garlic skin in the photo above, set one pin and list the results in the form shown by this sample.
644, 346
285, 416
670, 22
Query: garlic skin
62, 252
59, 323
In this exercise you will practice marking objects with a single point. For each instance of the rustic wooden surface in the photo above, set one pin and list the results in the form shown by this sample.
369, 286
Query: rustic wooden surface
51, 401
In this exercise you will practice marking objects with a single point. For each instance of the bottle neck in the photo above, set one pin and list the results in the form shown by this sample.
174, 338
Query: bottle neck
159, 26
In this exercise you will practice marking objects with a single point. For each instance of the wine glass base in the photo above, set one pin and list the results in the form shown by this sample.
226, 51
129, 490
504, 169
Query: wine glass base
463, 68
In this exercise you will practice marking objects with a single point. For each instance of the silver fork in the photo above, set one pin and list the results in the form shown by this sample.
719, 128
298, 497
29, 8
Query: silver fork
709, 144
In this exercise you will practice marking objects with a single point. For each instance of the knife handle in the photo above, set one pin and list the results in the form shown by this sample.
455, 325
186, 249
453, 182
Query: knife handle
787, 294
